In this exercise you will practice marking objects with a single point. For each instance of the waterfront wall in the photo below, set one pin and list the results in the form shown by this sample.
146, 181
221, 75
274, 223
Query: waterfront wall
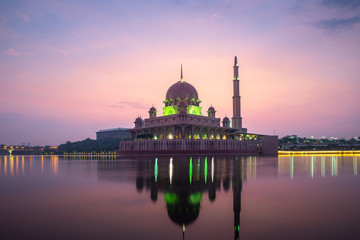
270, 145
190, 146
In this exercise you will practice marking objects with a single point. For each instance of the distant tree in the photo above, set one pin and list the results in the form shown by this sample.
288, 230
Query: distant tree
89, 145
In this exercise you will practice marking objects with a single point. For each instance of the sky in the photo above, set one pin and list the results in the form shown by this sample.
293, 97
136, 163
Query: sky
71, 68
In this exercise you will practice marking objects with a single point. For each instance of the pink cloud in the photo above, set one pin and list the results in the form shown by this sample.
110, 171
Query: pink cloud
215, 15
13, 52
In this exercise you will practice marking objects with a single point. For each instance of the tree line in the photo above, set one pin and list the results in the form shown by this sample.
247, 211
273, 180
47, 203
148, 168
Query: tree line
105, 145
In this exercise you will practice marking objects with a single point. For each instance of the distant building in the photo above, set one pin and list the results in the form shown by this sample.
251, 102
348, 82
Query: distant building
113, 133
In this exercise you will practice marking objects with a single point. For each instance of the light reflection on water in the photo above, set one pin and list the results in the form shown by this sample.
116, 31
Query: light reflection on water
315, 166
207, 197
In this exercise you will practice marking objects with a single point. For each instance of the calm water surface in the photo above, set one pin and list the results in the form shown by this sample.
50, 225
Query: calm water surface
55, 197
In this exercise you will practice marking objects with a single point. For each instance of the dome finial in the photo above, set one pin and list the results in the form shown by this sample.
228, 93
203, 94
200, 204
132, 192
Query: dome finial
181, 77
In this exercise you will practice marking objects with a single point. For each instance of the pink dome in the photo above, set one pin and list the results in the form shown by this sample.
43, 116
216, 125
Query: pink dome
181, 90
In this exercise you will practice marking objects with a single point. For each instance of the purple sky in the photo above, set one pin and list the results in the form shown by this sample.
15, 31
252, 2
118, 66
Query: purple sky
71, 68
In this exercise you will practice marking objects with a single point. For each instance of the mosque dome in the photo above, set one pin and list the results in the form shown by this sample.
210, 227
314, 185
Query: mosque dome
181, 90
138, 119
152, 109
226, 119
211, 109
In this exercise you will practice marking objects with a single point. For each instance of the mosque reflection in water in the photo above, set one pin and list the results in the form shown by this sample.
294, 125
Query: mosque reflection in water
185, 181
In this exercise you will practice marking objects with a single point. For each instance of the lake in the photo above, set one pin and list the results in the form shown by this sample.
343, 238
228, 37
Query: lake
190, 197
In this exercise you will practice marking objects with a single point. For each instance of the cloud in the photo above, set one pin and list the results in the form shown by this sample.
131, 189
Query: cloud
341, 3
215, 15
336, 23
13, 52
128, 104
23, 17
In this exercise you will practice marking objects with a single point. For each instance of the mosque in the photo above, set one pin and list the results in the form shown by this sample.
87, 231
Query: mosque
183, 128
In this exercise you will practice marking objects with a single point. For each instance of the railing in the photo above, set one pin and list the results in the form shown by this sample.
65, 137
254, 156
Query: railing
190, 144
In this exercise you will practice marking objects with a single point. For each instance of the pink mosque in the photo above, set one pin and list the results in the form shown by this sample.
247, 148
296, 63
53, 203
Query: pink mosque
183, 129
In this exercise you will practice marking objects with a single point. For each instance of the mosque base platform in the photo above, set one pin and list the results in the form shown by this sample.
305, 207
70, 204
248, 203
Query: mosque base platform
187, 152
198, 146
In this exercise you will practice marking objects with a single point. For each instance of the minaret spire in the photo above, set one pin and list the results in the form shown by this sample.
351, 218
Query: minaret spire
181, 77
236, 69
236, 119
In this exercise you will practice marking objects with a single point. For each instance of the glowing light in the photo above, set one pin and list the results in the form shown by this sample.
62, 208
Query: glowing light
195, 110
190, 170
170, 136
17, 165
11, 165
292, 167
323, 166
212, 170
156, 169
195, 198
55, 165
23, 165
248, 168
355, 165
312, 167
198, 170
254, 167
5, 165
170, 110
333, 152
205, 170
171, 170
171, 198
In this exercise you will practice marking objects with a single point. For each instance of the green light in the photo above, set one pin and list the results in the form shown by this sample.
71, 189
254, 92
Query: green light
190, 170
195, 198
170, 110
195, 110
156, 169
171, 198
205, 170
198, 169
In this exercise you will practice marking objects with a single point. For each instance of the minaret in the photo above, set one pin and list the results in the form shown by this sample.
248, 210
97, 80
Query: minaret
236, 119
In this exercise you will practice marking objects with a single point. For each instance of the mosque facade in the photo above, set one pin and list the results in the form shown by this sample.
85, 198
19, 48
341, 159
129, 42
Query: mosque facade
184, 128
